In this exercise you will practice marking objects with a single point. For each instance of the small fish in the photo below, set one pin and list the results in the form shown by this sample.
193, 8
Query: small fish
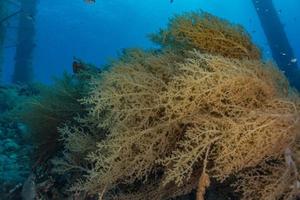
279, 11
171, 1
77, 66
90, 1
294, 60
29, 17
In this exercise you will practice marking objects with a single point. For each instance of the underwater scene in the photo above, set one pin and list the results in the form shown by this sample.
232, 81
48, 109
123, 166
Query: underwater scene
149, 100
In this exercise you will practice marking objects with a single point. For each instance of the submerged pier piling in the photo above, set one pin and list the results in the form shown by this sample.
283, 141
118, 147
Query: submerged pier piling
23, 72
281, 49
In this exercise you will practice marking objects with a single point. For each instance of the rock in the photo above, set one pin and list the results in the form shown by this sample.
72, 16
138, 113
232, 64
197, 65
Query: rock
29, 188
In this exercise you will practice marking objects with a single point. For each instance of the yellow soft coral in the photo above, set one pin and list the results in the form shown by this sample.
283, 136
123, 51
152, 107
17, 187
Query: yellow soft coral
235, 110
209, 34
272, 179
178, 118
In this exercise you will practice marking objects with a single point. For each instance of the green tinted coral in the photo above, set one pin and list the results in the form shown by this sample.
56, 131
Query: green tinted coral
51, 108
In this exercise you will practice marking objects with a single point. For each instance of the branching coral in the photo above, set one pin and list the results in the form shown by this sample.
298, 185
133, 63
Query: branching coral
45, 112
176, 121
207, 33
274, 178
126, 95
162, 127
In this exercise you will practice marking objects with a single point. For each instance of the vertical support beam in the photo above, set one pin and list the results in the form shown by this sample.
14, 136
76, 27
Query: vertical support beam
23, 72
278, 42
2, 34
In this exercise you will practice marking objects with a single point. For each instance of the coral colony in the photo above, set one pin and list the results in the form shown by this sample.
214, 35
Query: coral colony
202, 110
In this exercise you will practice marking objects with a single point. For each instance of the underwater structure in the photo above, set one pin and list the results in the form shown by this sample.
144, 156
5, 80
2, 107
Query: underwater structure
282, 51
23, 71
2, 32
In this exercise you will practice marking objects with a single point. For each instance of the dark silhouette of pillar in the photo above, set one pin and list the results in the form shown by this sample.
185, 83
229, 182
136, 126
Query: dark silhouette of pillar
282, 52
23, 72
2, 33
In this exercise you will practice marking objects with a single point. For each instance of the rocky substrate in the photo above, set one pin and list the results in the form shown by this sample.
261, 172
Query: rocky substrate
15, 154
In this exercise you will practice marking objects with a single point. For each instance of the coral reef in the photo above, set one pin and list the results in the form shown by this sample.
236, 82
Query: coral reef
202, 110
239, 112
52, 107
15, 148
207, 33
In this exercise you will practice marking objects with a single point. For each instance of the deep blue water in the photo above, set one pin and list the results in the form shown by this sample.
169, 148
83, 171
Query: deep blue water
97, 32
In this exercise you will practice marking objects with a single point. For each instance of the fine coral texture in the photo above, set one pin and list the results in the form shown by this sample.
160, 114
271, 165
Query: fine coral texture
176, 121
271, 179
207, 33
159, 125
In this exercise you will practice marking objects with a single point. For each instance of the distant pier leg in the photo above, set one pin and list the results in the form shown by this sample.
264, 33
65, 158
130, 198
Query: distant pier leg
2, 34
23, 72
277, 39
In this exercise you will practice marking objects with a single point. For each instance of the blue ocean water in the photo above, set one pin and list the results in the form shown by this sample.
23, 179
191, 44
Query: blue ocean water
96, 32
